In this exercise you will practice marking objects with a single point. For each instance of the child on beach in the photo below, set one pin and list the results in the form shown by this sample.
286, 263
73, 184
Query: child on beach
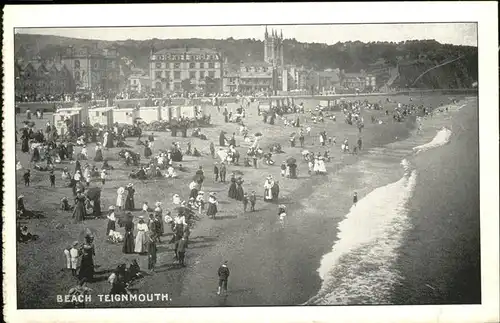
283, 169
253, 200
355, 198
145, 207
245, 202
223, 274
52, 178
282, 215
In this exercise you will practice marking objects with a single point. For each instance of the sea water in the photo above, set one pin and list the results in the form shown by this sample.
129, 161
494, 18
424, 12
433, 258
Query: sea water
359, 269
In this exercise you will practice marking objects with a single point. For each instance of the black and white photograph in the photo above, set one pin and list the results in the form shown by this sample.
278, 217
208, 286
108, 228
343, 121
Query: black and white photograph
282, 164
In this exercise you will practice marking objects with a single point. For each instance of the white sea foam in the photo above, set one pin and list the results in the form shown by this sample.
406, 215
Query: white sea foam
442, 138
358, 269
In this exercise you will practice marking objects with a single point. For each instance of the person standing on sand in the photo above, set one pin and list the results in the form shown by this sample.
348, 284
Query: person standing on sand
181, 250
223, 274
212, 150
355, 199
360, 143
27, 176
216, 172
253, 200
222, 173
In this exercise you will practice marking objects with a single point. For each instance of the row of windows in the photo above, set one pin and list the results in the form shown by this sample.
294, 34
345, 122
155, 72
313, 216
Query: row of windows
192, 74
191, 65
110, 64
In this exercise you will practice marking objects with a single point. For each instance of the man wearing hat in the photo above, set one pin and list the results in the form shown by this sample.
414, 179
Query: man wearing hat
223, 274
216, 172
52, 178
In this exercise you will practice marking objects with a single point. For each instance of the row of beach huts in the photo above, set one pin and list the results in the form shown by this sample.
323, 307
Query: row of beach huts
109, 115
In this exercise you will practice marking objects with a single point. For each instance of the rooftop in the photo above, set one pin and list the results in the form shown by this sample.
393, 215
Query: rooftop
186, 50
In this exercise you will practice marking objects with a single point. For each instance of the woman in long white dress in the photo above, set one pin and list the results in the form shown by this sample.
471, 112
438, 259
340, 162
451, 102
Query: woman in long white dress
140, 239
268, 185
120, 198
321, 165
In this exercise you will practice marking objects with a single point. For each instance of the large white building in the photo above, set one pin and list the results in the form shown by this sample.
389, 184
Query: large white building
201, 67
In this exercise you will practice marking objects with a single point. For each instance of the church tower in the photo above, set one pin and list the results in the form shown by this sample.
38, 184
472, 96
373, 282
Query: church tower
273, 47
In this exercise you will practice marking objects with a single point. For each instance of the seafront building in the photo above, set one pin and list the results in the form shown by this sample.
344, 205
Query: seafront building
38, 78
199, 68
92, 68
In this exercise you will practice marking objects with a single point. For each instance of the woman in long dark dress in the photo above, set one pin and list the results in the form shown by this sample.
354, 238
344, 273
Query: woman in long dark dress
129, 202
222, 139
98, 154
36, 155
79, 210
128, 241
232, 187
87, 264
239, 190
147, 150
25, 143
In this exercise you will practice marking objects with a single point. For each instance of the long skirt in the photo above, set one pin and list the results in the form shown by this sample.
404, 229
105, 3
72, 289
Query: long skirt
128, 243
147, 152
79, 212
86, 268
98, 156
140, 242
129, 203
212, 209
194, 193
239, 193
111, 226
25, 146
232, 191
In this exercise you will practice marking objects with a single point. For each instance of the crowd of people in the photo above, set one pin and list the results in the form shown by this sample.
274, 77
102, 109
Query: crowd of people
141, 233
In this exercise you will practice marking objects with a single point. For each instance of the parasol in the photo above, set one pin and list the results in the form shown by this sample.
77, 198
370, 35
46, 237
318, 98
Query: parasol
258, 134
291, 161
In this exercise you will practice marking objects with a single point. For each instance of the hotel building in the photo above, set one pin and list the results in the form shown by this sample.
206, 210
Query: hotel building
168, 68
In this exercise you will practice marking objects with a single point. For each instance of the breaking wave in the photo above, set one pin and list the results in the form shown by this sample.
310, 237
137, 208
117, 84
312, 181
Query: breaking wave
442, 138
359, 270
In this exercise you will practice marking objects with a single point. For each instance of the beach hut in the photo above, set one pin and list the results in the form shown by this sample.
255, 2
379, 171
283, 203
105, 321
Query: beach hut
150, 114
102, 116
64, 117
125, 115
165, 113
188, 111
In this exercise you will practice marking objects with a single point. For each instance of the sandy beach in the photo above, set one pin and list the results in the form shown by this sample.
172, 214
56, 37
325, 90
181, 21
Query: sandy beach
269, 265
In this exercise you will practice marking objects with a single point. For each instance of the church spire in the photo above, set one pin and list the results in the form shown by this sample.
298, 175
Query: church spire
266, 34
281, 36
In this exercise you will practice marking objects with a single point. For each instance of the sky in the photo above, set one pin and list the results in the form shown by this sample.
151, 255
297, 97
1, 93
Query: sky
449, 33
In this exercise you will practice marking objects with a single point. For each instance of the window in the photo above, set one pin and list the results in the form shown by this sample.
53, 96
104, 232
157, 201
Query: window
77, 76
202, 74
192, 65
158, 65
177, 75
192, 75
211, 74
177, 65
95, 65
158, 75
211, 65
77, 64
135, 81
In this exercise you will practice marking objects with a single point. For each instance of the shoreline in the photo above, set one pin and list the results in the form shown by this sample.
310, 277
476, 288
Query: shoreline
439, 259
268, 266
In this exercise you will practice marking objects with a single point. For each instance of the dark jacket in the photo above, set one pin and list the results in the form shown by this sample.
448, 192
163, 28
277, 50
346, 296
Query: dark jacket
223, 272
181, 247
